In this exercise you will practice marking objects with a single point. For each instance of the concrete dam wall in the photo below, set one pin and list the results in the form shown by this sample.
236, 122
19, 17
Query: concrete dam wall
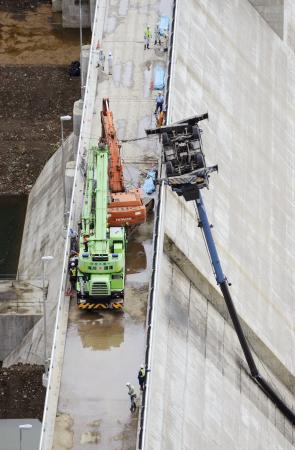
228, 61
43, 235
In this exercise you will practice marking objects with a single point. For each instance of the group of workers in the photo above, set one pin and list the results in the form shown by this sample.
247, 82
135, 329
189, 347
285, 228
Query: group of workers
131, 391
160, 38
101, 61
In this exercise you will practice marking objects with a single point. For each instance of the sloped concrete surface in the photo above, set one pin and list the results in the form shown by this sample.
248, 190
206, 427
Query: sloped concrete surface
243, 75
229, 62
201, 396
43, 235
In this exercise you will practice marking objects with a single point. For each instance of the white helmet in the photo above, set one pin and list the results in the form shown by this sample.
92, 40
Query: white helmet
142, 366
127, 384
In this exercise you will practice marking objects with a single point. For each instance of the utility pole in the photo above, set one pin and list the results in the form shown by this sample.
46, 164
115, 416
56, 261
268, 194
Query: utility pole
44, 259
81, 43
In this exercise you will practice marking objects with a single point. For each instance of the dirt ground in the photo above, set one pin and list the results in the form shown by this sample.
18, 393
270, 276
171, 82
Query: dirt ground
20, 5
35, 90
32, 98
21, 392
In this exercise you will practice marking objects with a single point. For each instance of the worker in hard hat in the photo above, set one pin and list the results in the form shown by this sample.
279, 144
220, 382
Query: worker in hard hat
132, 395
101, 59
157, 35
85, 242
73, 270
147, 37
159, 102
141, 377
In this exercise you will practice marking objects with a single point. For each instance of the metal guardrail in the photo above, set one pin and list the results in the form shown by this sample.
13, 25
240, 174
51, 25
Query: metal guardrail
170, 57
54, 376
157, 251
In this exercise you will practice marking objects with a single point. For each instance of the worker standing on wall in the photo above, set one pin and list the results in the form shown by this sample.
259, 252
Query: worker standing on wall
110, 63
157, 36
73, 236
147, 37
132, 395
101, 59
141, 377
165, 40
73, 275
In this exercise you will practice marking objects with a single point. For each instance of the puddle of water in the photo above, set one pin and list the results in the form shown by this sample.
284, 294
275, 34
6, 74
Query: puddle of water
37, 37
100, 331
123, 7
136, 260
110, 24
117, 74
123, 75
148, 76
12, 212
164, 8
127, 79
90, 437
94, 394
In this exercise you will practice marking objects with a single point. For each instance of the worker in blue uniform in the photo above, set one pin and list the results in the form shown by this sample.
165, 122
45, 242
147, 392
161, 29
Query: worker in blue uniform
159, 102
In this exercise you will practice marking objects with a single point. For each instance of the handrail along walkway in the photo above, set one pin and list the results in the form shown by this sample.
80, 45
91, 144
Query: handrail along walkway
51, 399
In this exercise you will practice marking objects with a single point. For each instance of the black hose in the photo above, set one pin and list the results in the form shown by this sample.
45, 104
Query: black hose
236, 323
262, 383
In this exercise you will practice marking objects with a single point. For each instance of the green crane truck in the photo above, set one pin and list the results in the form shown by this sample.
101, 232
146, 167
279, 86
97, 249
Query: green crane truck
101, 262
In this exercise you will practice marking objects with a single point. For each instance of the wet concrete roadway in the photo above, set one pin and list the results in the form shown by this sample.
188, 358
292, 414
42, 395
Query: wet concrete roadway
104, 351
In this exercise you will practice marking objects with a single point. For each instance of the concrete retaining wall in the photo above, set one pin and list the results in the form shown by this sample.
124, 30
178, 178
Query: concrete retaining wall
20, 325
43, 235
71, 13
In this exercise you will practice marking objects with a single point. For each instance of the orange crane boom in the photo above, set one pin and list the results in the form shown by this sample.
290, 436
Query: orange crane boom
109, 136
126, 208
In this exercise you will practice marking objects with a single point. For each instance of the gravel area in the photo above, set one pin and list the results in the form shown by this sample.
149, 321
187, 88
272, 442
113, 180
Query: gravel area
21, 392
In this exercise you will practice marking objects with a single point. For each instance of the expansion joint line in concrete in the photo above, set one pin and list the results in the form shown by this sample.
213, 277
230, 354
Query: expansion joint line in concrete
212, 296
221, 280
